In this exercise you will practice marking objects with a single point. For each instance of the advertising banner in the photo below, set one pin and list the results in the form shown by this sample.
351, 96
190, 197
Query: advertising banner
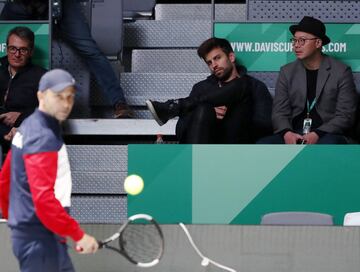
265, 47
238, 184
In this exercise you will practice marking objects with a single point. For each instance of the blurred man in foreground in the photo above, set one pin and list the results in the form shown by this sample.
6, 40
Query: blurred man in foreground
35, 183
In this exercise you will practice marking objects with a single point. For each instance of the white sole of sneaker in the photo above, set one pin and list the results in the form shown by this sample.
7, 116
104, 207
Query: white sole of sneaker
153, 112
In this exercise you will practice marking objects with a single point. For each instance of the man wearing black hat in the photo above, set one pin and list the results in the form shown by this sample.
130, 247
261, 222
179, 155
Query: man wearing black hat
315, 96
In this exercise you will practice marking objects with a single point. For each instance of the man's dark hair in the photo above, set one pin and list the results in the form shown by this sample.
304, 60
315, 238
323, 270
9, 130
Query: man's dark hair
213, 43
24, 33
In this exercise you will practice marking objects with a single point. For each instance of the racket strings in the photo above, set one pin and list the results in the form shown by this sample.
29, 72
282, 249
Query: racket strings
142, 243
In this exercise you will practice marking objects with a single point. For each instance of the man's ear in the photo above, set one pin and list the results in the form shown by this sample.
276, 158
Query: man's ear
32, 50
40, 95
319, 43
232, 57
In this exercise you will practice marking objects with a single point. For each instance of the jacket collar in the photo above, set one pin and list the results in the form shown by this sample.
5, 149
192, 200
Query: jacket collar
322, 77
4, 64
241, 70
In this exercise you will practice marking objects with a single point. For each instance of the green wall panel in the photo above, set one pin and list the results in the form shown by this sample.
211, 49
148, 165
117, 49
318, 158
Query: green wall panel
166, 171
237, 184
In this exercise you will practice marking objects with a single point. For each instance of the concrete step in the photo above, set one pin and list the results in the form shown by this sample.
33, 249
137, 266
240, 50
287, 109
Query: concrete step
166, 34
167, 60
293, 11
139, 87
223, 12
135, 127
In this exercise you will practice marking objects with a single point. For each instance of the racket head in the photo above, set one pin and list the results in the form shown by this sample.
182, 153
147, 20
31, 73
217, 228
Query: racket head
141, 240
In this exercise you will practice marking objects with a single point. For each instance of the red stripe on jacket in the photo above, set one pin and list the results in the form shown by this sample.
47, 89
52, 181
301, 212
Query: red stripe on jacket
41, 169
5, 186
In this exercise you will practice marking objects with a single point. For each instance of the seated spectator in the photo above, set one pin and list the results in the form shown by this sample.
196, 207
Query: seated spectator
73, 28
315, 97
220, 109
19, 80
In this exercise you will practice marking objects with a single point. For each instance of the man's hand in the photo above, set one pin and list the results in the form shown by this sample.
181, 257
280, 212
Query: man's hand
220, 112
10, 135
87, 244
311, 138
292, 138
9, 118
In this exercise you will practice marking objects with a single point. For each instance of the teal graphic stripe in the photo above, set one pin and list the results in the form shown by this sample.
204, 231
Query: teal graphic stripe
320, 179
237, 184
166, 171
227, 178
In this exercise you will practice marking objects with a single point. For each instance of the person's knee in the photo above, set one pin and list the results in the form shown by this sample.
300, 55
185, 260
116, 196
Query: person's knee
204, 112
85, 47
272, 139
332, 139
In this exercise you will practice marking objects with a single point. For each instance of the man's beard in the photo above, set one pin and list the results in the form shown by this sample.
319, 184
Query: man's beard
226, 75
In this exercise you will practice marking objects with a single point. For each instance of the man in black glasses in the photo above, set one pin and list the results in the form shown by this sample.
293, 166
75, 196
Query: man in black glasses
19, 80
73, 28
315, 97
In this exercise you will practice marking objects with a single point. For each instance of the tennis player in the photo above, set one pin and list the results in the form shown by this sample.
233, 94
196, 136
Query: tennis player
35, 183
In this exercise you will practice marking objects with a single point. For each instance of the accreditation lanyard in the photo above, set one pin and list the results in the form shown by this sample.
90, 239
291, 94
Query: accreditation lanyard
308, 120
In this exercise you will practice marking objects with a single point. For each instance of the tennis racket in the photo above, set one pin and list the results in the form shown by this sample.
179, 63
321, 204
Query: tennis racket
140, 240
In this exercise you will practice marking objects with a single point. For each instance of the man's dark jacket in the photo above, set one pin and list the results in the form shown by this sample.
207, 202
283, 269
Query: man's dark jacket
23, 87
262, 104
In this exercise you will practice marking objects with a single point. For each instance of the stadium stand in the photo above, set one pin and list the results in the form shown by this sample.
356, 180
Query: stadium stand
170, 43
160, 62
155, 58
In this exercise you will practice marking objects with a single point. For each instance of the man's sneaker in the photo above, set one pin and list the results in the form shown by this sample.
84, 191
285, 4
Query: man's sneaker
122, 110
163, 111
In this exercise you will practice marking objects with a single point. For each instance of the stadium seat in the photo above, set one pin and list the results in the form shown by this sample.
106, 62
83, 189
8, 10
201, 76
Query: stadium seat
297, 218
134, 9
352, 219
107, 30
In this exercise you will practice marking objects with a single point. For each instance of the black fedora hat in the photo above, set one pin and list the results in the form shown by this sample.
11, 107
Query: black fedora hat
312, 26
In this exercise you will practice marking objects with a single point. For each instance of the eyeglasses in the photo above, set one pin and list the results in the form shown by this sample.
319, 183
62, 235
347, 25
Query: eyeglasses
22, 50
301, 41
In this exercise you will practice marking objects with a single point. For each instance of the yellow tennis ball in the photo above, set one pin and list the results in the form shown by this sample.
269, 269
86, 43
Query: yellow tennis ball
133, 184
